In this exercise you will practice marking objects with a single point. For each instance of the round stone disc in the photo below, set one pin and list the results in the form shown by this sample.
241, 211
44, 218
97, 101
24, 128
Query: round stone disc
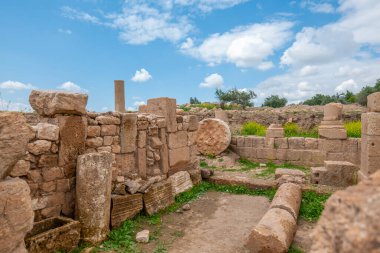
213, 136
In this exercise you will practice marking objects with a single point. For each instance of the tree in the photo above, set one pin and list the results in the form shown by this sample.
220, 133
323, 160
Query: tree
275, 101
241, 97
349, 97
194, 101
367, 90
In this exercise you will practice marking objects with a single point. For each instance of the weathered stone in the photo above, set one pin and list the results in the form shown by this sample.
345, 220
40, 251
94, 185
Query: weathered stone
332, 111
132, 186
72, 131
181, 182
93, 131
141, 162
158, 197
165, 107
39, 147
108, 130
195, 176
373, 102
290, 179
107, 140
274, 233
125, 207
16, 215
332, 132
222, 115
94, 142
179, 157
206, 173
107, 120
128, 132
21, 168
280, 172
213, 136
141, 139
119, 96
335, 173
193, 123
49, 103
371, 123
142, 236
48, 161
93, 195
177, 140
126, 163
155, 142
53, 173
47, 131
288, 197
349, 222
275, 131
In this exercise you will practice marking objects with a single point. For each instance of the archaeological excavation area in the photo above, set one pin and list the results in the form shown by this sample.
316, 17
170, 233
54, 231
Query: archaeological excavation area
165, 180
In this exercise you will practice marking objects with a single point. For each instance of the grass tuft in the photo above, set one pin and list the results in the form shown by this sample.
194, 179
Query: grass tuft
312, 205
294, 249
271, 169
354, 129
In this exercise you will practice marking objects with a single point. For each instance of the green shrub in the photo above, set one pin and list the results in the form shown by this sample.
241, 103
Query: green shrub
354, 129
253, 128
293, 130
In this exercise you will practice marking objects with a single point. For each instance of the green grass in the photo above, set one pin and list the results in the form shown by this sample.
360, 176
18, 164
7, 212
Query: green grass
312, 205
253, 128
354, 129
271, 169
294, 249
294, 130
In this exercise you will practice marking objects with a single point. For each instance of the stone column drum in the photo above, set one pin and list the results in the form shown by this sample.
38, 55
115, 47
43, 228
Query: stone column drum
119, 96
332, 125
93, 195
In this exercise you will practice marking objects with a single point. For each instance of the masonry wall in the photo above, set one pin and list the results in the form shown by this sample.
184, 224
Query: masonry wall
296, 150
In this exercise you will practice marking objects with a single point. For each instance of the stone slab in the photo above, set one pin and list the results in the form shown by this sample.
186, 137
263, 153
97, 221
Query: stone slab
128, 132
158, 197
181, 182
125, 207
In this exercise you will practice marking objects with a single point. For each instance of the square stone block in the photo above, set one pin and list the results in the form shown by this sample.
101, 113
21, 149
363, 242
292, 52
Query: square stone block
125, 207
373, 102
371, 123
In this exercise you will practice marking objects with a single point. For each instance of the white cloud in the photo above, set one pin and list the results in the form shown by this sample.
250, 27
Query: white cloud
71, 13
350, 85
14, 106
244, 46
138, 103
65, 31
141, 76
266, 65
189, 43
212, 81
15, 85
72, 87
318, 7
105, 108
308, 70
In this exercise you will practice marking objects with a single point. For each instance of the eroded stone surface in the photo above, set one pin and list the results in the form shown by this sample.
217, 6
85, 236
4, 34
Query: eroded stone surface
49, 103
16, 215
181, 182
213, 136
125, 207
14, 136
158, 197
349, 222
288, 197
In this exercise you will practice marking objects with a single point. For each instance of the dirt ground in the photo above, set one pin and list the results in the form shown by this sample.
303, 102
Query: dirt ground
216, 222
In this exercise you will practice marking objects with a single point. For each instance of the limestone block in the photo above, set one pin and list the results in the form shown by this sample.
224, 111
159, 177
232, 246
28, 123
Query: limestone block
107, 120
373, 102
93, 195
297, 173
107, 140
248, 141
179, 157
296, 142
53, 173
93, 131
266, 153
126, 163
108, 130
193, 123
332, 132
119, 96
274, 233
21, 168
125, 207
181, 182
282, 154
165, 107
164, 152
281, 143
327, 145
72, 131
48, 161
311, 143
16, 215
370, 146
39, 147
128, 132
258, 142
288, 197
213, 136
333, 111
141, 139
49, 103
275, 131
141, 162
369, 165
349, 222
351, 145
94, 142
371, 123
195, 176
192, 138
158, 197
47, 131
335, 173
177, 140
240, 141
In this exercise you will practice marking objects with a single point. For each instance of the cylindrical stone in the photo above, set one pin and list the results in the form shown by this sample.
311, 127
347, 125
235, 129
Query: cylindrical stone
288, 197
274, 233
119, 96
213, 136
93, 195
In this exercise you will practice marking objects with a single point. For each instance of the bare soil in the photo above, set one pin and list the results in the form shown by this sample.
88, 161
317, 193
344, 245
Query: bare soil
216, 222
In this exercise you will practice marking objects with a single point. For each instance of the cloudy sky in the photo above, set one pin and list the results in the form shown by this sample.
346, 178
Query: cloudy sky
186, 48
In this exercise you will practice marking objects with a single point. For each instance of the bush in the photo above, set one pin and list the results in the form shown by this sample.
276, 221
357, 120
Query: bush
275, 101
293, 130
253, 128
354, 129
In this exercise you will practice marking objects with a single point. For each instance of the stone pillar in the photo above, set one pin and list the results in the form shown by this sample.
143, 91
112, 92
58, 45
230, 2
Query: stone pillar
93, 195
332, 125
16, 215
119, 96
275, 131
370, 142
165, 107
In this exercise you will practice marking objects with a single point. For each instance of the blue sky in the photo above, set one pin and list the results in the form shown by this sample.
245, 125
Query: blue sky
186, 48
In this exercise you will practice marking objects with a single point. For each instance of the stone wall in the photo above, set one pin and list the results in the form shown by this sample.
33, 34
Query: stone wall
296, 150
306, 116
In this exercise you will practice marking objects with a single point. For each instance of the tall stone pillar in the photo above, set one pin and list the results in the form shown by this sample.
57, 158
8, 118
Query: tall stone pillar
119, 96
93, 195
370, 143
332, 125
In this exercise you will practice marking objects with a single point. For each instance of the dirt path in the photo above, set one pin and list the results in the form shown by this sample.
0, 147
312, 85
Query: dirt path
217, 222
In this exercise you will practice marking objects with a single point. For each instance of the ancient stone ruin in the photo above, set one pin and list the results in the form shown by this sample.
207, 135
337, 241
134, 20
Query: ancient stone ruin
68, 175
